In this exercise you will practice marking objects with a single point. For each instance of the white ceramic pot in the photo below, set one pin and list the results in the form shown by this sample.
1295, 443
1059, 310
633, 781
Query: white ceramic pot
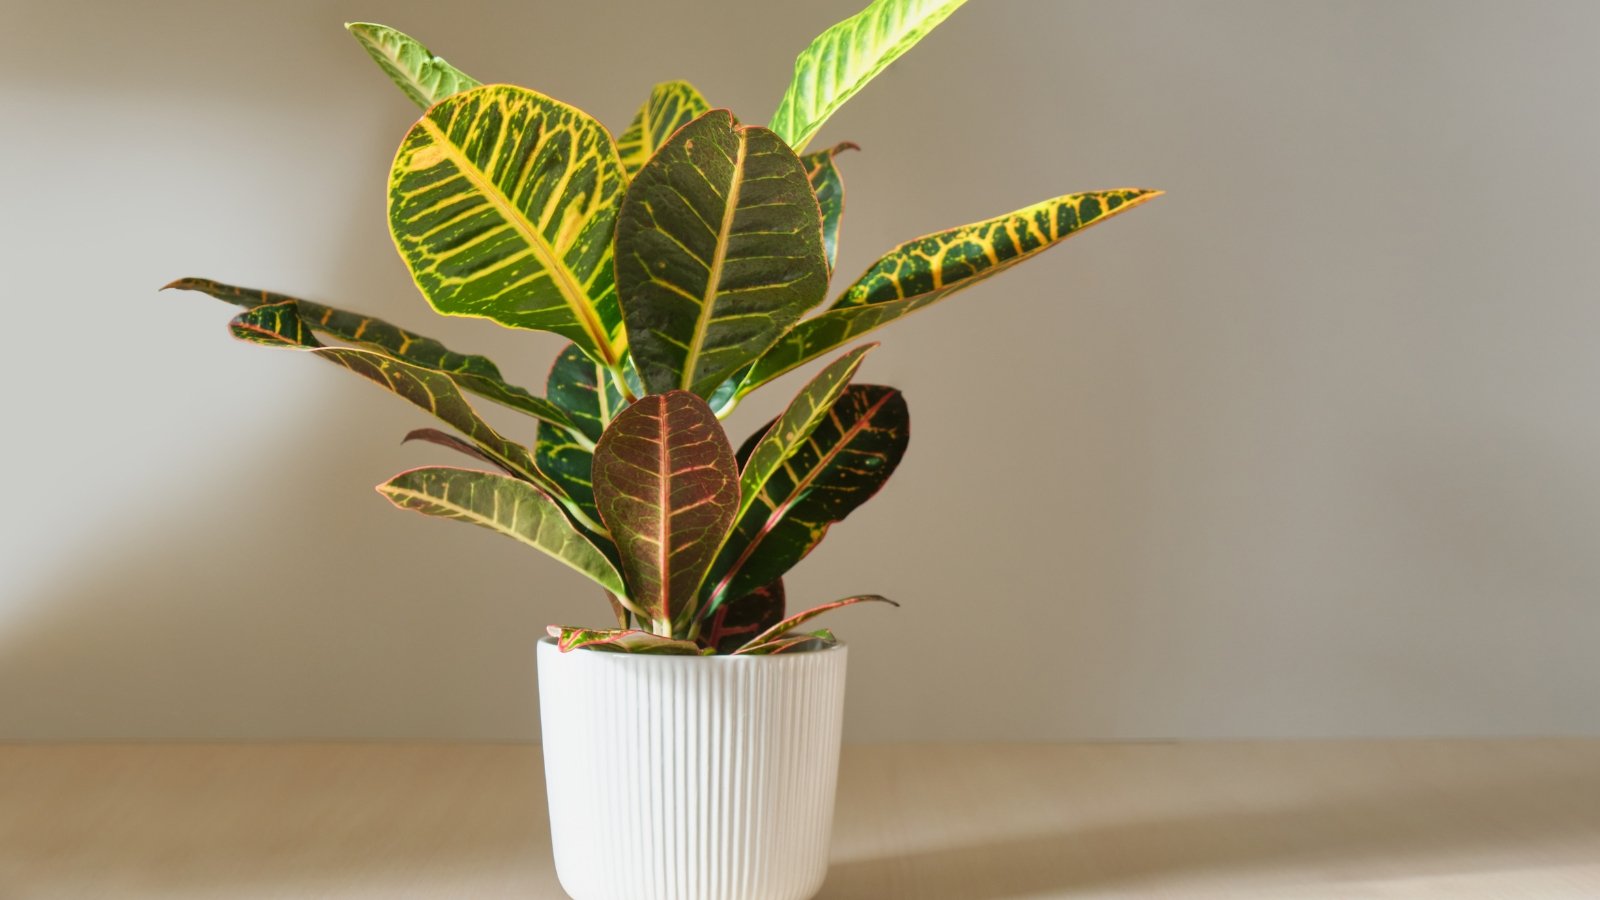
691, 778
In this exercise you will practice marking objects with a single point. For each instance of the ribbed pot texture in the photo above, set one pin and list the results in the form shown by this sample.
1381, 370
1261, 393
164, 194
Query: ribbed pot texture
691, 778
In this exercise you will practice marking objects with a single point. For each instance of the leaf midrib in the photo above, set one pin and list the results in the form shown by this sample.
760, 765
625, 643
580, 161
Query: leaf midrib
566, 280
708, 297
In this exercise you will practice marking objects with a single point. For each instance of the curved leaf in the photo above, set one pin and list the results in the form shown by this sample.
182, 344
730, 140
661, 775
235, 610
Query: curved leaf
844, 58
586, 393
672, 105
503, 203
829, 188
821, 639
719, 251
736, 622
424, 77
569, 638
444, 439
667, 489
760, 643
789, 432
474, 373
280, 325
505, 505
924, 271
847, 458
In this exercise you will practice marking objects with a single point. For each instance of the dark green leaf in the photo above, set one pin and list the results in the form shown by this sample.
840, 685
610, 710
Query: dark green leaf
719, 251
737, 621
829, 188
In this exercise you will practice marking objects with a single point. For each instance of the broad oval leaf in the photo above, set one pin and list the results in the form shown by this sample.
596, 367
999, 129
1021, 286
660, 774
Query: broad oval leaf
504, 505
844, 58
737, 621
672, 105
424, 77
762, 642
846, 459
503, 203
667, 488
618, 640
924, 271
719, 251
829, 188
474, 373
280, 325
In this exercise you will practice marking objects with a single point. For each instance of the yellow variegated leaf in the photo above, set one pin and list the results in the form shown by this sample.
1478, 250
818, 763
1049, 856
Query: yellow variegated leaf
844, 58
503, 202
924, 271
672, 105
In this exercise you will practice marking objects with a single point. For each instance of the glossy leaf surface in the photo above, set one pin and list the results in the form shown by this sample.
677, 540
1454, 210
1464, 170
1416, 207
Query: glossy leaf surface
503, 203
845, 460
280, 325
667, 488
473, 373
586, 394
445, 439
619, 641
826, 183
672, 105
719, 251
776, 632
924, 271
424, 77
844, 58
736, 622
507, 506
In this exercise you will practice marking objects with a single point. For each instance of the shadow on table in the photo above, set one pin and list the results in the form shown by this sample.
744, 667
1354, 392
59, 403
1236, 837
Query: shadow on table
1402, 828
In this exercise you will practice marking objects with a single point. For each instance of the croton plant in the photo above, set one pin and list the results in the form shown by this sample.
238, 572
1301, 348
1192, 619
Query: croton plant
683, 261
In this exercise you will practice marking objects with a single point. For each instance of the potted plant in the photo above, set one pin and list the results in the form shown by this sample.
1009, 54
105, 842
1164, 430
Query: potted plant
691, 745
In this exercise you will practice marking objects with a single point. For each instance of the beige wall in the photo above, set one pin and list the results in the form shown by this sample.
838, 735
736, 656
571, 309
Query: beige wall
1309, 447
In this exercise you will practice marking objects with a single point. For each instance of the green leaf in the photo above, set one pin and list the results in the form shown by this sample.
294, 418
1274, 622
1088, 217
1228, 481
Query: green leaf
845, 460
569, 638
739, 620
474, 373
585, 392
280, 325
424, 77
821, 639
667, 489
503, 202
444, 439
759, 643
788, 434
924, 271
829, 188
672, 105
844, 58
719, 251
504, 505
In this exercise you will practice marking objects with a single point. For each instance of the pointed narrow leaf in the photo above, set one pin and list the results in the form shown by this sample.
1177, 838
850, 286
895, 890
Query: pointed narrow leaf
584, 391
924, 271
280, 325
829, 188
569, 638
503, 203
730, 627
474, 373
847, 458
821, 639
779, 630
789, 432
672, 105
719, 251
844, 58
424, 77
504, 505
667, 489
435, 436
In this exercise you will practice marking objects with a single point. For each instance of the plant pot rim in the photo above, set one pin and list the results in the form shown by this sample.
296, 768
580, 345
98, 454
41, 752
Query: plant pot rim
723, 658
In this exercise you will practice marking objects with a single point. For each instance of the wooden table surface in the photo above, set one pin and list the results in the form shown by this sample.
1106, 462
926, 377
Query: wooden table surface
976, 822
